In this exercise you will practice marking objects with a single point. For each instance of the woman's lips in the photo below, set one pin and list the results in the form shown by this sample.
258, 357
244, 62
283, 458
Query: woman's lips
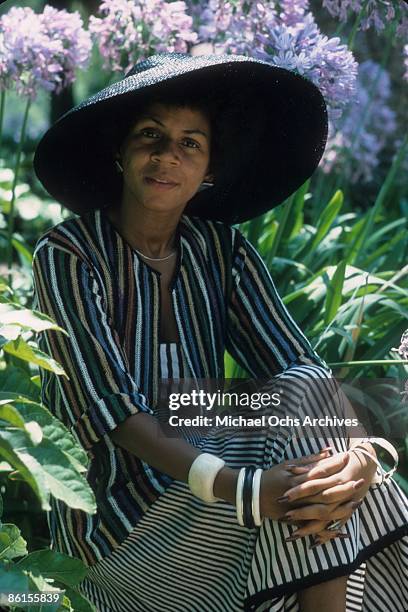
159, 185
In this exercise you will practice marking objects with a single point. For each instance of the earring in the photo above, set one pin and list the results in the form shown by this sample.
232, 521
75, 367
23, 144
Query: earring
118, 165
205, 185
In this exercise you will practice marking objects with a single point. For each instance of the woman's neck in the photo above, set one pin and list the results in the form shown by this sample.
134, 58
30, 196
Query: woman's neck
152, 233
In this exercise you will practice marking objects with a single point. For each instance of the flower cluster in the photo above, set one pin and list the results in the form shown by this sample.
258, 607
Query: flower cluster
374, 13
406, 62
130, 30
354, 146
284, 34
41, 50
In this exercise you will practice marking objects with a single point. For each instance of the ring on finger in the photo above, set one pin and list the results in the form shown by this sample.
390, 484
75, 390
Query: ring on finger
333, 525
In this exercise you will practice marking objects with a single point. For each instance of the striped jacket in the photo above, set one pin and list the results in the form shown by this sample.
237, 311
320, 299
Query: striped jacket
96, 287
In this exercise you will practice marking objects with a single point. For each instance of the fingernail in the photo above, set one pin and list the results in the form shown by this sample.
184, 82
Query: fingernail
317, 543
346, 458
292, 538
334, 526
359, 483
282, 499
356, 504
328, 449
340, 534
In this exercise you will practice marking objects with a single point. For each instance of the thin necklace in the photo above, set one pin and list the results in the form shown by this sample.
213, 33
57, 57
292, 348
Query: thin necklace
156, 258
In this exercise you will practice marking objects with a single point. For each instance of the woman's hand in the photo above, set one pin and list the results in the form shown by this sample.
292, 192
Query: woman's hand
329, 497
288, 474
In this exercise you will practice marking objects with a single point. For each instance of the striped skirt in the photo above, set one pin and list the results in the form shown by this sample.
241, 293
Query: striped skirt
186, 555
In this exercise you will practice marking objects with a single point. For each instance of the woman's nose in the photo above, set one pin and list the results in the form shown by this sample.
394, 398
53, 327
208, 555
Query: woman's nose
165, 148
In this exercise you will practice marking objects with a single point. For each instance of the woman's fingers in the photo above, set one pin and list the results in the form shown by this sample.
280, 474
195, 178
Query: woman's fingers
304, 486
326, 466
336, 494
310, 528
322, 512
309, 459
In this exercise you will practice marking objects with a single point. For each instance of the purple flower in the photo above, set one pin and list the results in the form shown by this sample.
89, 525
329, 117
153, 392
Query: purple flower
354, 144
406, 62
128, 31
376, 13
286, 35
41, 50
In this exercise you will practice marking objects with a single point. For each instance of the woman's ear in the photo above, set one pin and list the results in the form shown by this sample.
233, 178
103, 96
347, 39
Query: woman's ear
209, 178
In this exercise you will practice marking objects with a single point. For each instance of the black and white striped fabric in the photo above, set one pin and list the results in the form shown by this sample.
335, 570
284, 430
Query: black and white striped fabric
188, 556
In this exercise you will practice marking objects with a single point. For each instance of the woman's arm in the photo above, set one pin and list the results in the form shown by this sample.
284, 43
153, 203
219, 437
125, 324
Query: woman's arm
144, 435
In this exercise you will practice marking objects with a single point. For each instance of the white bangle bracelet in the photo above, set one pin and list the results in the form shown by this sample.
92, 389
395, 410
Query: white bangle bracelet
202, 474
238, 499
256, 505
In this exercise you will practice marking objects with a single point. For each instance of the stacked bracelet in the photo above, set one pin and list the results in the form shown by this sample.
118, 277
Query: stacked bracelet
202, 474
248, 497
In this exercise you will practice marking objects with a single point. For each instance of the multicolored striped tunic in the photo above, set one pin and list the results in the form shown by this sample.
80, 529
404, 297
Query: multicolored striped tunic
95, 286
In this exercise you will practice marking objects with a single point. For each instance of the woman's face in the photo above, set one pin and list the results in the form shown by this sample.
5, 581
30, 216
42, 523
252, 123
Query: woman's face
170, 144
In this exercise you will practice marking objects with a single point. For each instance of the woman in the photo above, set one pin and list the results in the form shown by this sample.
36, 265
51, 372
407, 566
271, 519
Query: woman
152, 283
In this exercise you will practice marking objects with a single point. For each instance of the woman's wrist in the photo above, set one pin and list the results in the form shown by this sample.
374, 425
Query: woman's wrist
225, 484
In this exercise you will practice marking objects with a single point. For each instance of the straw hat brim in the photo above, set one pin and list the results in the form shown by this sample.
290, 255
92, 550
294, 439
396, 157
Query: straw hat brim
276, 147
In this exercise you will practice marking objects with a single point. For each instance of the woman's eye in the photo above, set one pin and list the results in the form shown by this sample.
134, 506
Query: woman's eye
193, 142
148, 132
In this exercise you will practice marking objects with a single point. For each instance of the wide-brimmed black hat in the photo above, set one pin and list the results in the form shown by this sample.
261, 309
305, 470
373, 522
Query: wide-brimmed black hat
275, 122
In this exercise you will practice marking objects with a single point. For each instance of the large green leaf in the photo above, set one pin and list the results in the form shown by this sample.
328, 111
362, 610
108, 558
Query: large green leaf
52, 564
12, 579
15, 380
51, 465
34, 320
11, 543
25, 466
53, 430
78, 602
29, 352
10, 414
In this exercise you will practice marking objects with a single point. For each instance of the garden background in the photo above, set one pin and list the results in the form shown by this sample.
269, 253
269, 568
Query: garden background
337, 249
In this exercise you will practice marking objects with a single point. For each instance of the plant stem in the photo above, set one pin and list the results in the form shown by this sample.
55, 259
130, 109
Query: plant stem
357, 22
13, 194
374, 361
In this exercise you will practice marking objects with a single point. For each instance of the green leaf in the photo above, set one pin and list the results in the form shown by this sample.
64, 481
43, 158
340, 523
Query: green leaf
12, 579
334, 293
21, 247
52, 564
327, 217
12, 313
34, 478
21, 349
78, 602
15, 380
10, 414
11, 543
49, 464
54, 430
